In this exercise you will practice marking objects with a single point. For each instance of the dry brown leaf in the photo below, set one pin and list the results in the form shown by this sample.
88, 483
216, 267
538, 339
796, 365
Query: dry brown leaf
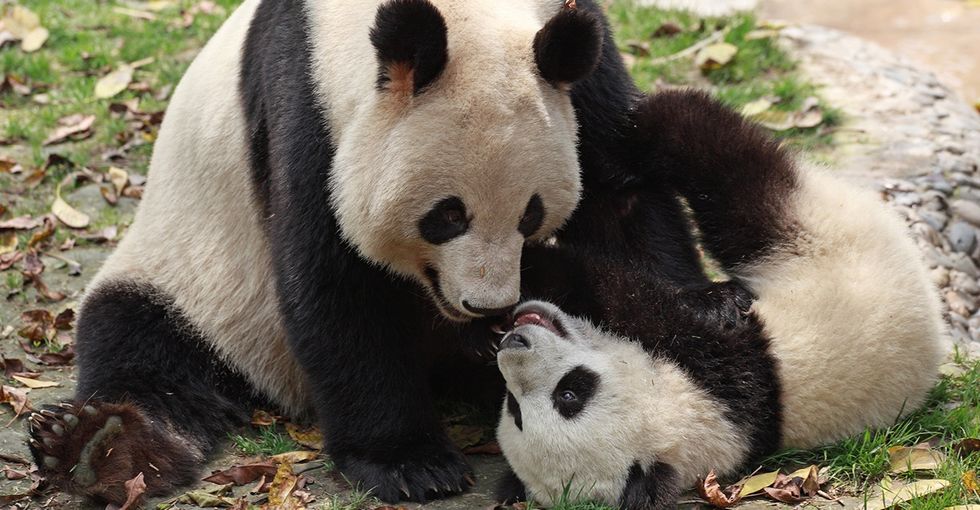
134, 492
668, 29
114, 82
967, 446
243, 474
711, 491
754, 484
67, 214
491, 448
916, 458
16, 397
12, 366
969, 480
20, 223
73, 127
8, 242
465, 435
109, 195
281, 490
64, 319
34, 384
294, 457
310, 437
807, 479
64, 357
13, 474
7, 260
43, 234
119, 178
262, 418
891, 496
715, 55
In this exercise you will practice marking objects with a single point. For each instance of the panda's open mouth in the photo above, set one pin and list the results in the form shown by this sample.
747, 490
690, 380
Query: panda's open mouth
531, 315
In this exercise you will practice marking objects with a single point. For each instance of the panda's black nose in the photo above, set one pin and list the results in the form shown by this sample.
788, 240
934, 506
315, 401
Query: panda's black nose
487, 312
514, 341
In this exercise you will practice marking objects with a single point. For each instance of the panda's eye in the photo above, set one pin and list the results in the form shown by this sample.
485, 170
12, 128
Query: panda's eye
533, 216
445, 221
574, 391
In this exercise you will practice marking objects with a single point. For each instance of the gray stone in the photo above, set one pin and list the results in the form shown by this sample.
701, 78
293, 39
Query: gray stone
960, 303
940, 184
935, 219
969, 211
960, 281
962, 236
925, 231
908, 199
964, 264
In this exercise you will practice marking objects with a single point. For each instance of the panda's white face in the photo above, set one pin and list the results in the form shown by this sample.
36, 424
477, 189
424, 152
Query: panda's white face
585, 405
574, 414
445, 185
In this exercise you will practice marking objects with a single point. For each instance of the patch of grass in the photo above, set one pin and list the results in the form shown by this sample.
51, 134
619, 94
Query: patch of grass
356, 499
951, 414
268, 441
760, 69
569, 501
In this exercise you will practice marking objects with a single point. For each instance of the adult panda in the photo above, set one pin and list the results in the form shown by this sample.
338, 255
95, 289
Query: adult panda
329, 170
832, 326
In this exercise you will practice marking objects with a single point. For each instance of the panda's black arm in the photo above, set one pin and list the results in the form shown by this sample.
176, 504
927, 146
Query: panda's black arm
736, 178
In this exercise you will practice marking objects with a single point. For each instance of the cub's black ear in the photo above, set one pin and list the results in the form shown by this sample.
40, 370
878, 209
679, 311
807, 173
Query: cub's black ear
567, 48
653, 489
409, 38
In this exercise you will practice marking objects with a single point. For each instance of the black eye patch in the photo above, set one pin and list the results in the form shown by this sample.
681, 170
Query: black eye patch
533, 216
574, 391
514, 409
445, 221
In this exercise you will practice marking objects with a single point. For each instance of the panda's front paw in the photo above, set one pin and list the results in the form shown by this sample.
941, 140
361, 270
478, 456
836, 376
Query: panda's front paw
418, 473
510, 489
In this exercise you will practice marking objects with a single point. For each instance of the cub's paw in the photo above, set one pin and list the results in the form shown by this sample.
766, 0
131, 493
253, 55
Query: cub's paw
93, 448
413, 474
510, 489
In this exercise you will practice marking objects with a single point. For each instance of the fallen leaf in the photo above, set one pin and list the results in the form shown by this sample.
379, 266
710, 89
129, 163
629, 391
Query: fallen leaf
12, 366
711, 491
34, 40
967, 446
969, 480
491, 448
109, 194
789, 495
16, 397
294, 457
639, 48
100, 236
756, 483
715, 55
902, 459
13, 474
808, 119
764, 33
310, 437
20, 223
756, 107
43, 234
73, 127
114, 82
7, 260
8, 242
68, 214
7, 164
809, 480
64, 319
668, 29
61, 358
34, 384
281, 490
262, 418
465, 435
775, 120
890, 497
963, 507
243, 474
119, 178
134, 492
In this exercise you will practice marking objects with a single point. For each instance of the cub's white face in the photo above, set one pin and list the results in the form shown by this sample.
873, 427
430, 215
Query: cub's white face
445, 184
575, 411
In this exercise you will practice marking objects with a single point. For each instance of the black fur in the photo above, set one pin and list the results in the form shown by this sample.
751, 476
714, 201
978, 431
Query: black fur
567, 48
444, 222
412, 33
655, 488
510, 489
514, 409
533, 216
573, 391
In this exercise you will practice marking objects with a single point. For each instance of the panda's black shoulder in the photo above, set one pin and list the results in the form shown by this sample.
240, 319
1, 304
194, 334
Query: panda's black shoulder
275, 69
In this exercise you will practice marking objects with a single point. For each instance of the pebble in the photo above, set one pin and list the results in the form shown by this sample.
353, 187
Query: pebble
940, 276
935, 219
960, 303
963, 282
962, 237
969, 211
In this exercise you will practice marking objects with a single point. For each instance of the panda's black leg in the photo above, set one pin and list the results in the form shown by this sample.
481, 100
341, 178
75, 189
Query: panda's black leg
510, 489
151, 398
652, 488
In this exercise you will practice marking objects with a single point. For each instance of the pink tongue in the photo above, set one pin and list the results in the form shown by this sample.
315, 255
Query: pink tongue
529, 318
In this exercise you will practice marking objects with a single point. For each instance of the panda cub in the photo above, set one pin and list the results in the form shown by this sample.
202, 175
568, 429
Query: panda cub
833, 328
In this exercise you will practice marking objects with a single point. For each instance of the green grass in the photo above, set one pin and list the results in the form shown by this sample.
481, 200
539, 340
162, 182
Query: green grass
266, 441
356, 499
760, 69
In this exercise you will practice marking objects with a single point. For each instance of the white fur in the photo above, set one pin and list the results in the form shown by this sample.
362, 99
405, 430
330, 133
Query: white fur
197, 234
489, 130
855, 322
856, 332
633, 417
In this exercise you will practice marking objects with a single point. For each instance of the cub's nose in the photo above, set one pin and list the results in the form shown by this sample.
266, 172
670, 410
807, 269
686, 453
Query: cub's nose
488, 312
514, 341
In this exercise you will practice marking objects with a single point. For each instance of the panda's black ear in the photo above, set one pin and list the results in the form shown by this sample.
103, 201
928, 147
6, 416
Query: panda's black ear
409, 38
568, 47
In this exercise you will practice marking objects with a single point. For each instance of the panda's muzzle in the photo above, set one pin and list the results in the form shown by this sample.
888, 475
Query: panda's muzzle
534, 314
